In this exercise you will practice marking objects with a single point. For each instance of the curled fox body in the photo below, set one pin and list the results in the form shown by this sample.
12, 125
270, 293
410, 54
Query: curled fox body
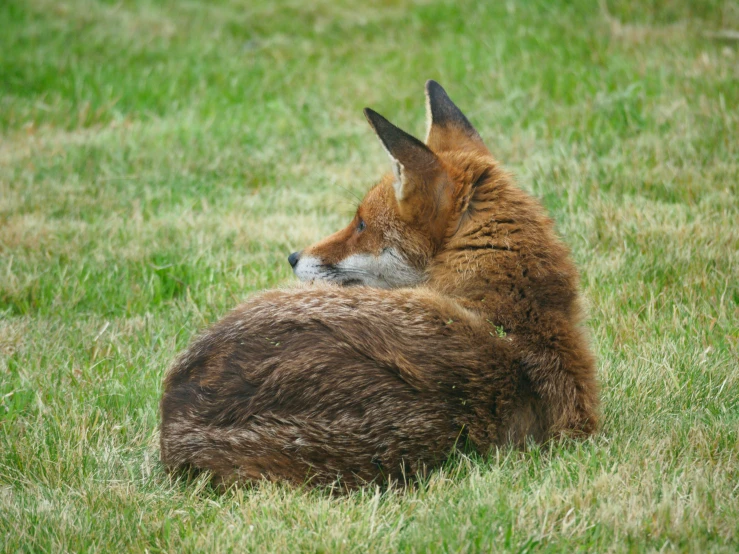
446, 313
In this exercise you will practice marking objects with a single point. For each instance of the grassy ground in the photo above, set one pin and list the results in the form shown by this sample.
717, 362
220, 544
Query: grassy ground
159, 160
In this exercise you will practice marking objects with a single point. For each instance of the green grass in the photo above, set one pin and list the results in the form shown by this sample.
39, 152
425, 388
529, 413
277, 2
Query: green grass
159, 160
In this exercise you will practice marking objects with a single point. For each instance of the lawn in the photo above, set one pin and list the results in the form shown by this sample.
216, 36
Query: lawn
159, 160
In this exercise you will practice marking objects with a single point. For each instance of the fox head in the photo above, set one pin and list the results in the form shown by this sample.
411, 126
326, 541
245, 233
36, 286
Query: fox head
404, 219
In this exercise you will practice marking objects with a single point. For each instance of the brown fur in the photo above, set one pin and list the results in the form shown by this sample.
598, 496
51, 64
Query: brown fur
365, 384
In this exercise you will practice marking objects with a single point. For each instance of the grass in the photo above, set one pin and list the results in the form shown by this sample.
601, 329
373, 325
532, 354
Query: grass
159, 160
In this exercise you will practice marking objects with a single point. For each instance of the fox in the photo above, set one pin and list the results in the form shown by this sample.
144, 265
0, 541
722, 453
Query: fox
446, 316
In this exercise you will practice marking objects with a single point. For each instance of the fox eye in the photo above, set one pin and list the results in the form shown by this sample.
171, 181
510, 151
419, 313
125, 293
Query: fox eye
361, 226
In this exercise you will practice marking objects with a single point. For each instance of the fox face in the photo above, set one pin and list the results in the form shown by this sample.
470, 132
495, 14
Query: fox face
403, 220
376, 249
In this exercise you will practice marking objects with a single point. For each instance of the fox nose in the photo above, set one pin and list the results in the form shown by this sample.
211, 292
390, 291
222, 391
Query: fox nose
294, 258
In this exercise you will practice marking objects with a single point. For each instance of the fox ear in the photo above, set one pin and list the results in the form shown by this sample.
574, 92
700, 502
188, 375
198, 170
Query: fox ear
413, 162
448, 128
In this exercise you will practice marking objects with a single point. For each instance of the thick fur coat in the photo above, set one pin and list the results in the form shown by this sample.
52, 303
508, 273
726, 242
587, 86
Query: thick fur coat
445, 315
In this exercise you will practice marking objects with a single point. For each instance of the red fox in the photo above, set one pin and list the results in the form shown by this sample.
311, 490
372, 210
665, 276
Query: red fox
445, 315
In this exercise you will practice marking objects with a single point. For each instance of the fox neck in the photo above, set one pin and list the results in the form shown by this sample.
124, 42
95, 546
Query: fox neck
502, 258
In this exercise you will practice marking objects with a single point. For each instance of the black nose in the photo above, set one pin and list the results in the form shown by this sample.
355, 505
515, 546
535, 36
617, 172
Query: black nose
294, 258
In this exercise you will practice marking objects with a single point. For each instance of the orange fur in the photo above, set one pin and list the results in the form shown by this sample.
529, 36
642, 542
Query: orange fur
477, 342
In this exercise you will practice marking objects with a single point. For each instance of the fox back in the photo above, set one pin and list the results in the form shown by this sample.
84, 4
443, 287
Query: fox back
446, 314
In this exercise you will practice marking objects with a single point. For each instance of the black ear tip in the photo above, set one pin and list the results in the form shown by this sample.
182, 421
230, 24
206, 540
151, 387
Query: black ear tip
432, 87
370, 115
375, 119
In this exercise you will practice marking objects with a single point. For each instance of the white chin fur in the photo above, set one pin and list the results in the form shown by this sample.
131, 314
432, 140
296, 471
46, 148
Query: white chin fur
388, 270
309, 268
